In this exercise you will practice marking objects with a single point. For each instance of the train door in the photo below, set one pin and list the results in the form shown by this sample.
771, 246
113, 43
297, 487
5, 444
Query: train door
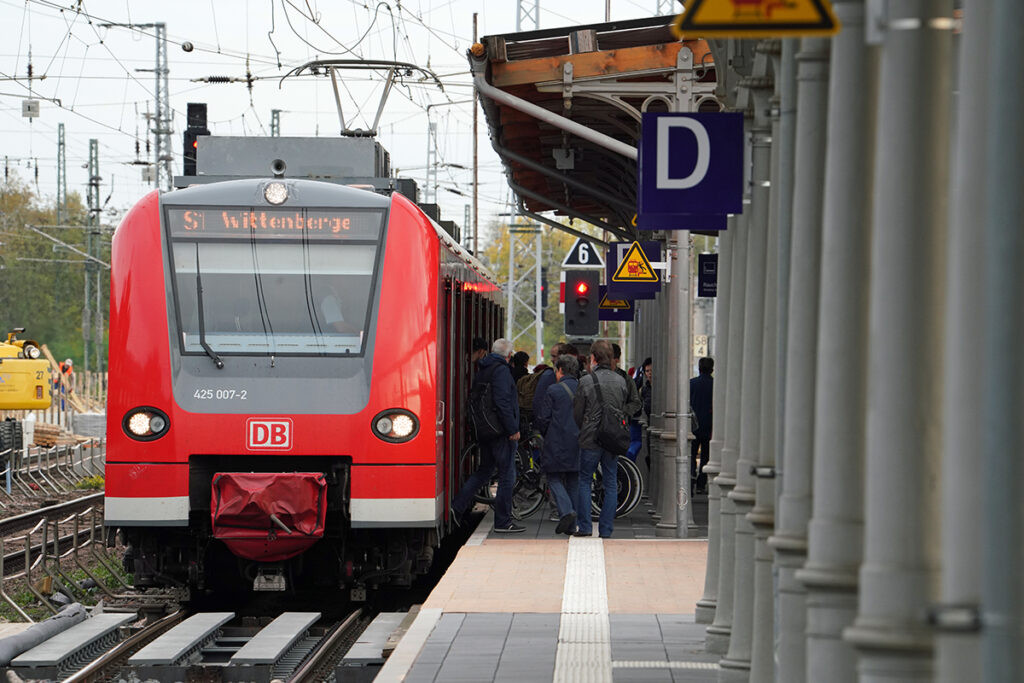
443, 388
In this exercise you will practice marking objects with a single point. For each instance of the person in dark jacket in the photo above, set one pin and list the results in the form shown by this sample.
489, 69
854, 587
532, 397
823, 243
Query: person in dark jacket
587, 411
519, 361
701, 389
546, 380
498, 452
636, 441
560, 456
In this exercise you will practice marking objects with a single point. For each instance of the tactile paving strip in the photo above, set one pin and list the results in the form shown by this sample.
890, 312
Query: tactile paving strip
584, 635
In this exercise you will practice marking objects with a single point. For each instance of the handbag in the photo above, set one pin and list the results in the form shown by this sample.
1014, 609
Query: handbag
612, 427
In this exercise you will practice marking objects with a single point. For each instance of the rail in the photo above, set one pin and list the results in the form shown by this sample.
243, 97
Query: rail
62, 539
327, 652
40, 472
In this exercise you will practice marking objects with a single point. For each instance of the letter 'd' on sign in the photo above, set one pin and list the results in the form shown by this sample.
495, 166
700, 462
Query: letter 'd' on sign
700, 164
273, 434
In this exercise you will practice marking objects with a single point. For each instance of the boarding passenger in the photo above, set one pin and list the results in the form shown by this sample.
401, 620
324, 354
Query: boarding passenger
496, 452
478, 352
560, 455
519, 369
587, 411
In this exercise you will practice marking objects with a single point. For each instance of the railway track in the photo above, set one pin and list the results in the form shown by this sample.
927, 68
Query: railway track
296, 647
28, 520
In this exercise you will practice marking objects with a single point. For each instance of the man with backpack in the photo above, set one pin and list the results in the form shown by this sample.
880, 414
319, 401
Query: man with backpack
603, 398
494, 407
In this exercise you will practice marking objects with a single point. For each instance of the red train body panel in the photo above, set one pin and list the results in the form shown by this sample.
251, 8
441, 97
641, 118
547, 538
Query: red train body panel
233, 349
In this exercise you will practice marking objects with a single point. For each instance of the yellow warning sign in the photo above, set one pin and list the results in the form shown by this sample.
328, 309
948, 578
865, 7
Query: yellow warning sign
755, 19
614, 304
635, 267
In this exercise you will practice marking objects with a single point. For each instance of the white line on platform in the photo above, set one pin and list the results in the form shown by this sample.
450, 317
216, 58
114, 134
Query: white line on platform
401, 660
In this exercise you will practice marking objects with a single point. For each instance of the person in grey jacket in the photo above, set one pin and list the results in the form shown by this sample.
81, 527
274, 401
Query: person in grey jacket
560, 455
587, 411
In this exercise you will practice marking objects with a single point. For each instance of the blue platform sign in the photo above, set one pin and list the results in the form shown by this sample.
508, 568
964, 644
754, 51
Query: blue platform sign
691, 168
615, 307
707, 275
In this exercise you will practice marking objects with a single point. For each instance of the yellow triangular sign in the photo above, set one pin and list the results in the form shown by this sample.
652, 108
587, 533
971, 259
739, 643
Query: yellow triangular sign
756, 19
614, 304
635, 267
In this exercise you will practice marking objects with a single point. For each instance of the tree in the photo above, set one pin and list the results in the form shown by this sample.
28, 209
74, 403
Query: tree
40, 290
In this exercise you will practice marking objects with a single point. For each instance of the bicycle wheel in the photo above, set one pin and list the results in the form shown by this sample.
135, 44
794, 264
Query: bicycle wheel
627, 486
636, 486
528, 493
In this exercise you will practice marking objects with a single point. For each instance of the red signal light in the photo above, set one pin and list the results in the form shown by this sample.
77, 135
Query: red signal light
195, 144
581, 288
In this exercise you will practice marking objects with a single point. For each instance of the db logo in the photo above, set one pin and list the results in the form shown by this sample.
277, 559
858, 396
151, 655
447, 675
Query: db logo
269, 433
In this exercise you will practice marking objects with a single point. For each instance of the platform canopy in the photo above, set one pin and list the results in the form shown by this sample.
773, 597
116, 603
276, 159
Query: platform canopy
563, 110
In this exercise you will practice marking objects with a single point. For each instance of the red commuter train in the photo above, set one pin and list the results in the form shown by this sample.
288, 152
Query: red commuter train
288, 364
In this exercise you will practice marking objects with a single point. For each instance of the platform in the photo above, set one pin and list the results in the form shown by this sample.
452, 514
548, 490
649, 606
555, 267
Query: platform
541, 607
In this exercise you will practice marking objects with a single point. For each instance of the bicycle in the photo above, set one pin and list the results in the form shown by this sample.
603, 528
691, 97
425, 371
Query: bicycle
527, 492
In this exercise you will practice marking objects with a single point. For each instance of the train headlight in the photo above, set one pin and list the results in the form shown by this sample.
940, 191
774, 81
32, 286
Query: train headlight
145, 423
275, 193
30, 351
395, 425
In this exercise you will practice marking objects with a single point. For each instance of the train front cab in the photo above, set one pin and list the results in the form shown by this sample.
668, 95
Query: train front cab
239, 345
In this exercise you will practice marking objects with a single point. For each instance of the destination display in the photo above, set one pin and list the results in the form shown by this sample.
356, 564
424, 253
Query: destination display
275, 223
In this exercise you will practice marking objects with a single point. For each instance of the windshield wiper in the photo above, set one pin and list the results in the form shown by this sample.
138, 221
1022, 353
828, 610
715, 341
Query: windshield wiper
202, 325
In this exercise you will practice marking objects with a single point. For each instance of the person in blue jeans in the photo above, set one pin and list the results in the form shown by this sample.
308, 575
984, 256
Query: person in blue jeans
587, 410
497, 452
560, 455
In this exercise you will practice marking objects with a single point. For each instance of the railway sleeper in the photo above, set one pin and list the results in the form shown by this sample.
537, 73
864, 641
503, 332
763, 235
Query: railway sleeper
205, 647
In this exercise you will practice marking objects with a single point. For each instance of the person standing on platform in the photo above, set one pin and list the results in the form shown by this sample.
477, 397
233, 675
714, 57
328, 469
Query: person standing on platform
560, 455
701, 389
587, 411
497, 452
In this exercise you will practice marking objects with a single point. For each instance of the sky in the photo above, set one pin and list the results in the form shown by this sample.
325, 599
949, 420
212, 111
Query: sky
99, 81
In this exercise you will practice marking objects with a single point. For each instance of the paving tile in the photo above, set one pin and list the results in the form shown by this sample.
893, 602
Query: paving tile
645, 651
622, 675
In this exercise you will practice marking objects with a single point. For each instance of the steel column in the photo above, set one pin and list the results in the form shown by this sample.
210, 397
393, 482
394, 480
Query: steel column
836, 528
899, 574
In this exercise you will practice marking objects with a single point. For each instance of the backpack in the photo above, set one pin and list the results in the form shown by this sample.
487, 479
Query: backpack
526, 387
613, 427
483, 413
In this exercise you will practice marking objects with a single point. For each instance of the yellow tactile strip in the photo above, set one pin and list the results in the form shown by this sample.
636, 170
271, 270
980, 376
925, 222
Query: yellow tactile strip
654, 577
506, 575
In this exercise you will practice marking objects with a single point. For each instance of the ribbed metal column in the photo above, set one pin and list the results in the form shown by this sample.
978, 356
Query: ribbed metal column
958, 651
736, 664
706, 605
899, 575
719, 631
790, 539
1003, 381
837, 519
762, 660
673, 362
659, 379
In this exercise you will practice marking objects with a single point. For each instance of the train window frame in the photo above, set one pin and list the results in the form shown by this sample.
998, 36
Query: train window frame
171, 239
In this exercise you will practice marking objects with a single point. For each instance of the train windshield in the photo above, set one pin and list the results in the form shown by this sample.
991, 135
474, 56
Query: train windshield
296, 282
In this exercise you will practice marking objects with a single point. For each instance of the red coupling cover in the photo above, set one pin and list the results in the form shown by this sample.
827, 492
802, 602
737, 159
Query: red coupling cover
268, 516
